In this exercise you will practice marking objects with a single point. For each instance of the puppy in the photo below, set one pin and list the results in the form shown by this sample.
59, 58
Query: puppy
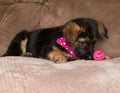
80, 34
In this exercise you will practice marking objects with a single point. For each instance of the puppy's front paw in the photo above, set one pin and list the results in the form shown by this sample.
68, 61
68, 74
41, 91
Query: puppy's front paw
57, 56
59, 59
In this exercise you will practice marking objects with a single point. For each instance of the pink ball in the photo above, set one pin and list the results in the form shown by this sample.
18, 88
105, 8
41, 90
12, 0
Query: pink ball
98, 55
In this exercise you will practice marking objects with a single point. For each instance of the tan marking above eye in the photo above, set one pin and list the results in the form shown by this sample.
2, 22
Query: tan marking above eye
86, 39
81, 39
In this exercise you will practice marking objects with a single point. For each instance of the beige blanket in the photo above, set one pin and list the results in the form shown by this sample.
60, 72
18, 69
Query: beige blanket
30, 75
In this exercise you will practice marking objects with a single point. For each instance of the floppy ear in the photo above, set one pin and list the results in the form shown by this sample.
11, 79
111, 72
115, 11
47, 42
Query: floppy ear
71, 31
102, 30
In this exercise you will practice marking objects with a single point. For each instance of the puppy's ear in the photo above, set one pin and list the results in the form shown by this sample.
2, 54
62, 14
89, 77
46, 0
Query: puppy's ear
72, 30
102, 29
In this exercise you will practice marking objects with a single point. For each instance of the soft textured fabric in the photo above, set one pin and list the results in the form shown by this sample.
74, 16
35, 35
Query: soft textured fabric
16, 15
30, 75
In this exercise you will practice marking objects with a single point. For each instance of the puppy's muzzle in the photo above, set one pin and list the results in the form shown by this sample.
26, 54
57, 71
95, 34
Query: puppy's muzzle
84, 52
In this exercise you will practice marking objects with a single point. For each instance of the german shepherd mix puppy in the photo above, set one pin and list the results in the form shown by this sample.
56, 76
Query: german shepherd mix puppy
80, 34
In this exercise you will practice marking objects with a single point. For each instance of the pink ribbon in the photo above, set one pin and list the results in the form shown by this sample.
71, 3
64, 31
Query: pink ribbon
62, 42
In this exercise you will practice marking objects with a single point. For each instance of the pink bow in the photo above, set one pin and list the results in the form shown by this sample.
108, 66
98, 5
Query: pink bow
62, 42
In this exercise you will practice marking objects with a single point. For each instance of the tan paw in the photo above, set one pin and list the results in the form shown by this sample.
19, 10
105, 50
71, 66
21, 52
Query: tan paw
28, 54
57, 56
59, 59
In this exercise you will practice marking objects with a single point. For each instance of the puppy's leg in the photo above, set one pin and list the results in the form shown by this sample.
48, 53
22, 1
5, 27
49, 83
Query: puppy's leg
18, 45
57, 56
23, 46
27, 54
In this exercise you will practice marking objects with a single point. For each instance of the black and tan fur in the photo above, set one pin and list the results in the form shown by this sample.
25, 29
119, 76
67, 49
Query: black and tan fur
80, 33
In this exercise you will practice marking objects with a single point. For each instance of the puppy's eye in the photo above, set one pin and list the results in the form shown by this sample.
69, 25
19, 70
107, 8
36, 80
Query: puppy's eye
83, 43
81, 40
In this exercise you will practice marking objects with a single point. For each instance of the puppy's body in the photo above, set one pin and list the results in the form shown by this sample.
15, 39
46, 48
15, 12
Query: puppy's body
42, 41
81, 35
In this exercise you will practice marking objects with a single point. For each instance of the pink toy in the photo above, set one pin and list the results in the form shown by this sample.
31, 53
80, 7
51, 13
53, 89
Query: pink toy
98, 55
62, 42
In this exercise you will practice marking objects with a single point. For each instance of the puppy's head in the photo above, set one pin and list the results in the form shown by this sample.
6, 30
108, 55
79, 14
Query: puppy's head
81, 35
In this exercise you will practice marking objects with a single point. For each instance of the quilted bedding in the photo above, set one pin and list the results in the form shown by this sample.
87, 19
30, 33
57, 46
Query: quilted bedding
31, 75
